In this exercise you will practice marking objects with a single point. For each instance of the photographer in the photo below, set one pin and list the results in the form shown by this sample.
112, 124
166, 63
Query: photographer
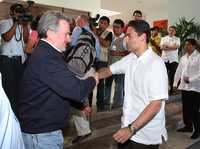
14, 33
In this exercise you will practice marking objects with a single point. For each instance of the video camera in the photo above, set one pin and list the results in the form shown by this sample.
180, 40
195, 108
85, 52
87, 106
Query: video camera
25, 14
93, 21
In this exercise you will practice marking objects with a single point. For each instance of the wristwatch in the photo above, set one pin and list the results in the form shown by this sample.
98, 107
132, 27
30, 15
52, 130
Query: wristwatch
132, 129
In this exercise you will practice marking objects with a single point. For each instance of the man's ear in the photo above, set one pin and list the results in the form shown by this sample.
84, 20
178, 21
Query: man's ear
50, 33
143, 37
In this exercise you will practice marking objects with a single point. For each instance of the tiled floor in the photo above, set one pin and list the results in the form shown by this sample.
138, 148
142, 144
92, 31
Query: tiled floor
104, 128
175, 141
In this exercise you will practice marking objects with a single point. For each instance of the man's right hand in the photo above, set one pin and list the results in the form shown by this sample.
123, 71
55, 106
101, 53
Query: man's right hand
122, 135
87, 111
96, 77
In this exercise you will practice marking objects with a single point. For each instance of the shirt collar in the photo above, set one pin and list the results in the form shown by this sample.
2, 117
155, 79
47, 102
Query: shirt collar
86, 27
120, 36
194, 53
145, 55
51, 45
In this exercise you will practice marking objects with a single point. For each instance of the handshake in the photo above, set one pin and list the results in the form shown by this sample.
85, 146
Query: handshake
96, 77
100, 74
92, 73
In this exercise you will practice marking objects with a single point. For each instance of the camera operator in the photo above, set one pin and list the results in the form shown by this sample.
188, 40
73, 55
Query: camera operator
14, 33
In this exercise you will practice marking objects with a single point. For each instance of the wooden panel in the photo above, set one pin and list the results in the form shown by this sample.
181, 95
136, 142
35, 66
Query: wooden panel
4, 10
38, 9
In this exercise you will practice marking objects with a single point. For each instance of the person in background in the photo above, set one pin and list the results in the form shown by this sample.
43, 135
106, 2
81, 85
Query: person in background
82, 111
72, 24
155, 40
117, 50
137, 15
188, 75
82, 21
48, 86
143, 119
14, 32
169, 45
33, 37
105, 38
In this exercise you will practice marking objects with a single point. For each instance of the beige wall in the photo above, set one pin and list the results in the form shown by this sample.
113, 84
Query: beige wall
186, 8
84, 5
152, 9
155, 9
38, 9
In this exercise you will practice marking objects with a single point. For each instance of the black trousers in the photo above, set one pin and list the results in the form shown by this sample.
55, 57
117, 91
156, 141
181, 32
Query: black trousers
12, 71
134, 145
171, 70
191, 105
101, 87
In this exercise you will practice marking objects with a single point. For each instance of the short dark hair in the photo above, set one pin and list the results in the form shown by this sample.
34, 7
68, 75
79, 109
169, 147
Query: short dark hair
141, 26
155, 28
119, 21
137, 11
191, 41
172, 26
104, 18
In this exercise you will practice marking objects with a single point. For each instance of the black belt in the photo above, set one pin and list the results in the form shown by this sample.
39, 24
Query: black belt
5, 59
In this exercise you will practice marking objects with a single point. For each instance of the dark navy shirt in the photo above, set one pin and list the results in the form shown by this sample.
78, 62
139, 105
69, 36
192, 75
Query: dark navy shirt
47, 89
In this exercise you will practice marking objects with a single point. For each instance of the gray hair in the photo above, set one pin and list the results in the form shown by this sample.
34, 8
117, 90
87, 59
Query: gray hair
50, 20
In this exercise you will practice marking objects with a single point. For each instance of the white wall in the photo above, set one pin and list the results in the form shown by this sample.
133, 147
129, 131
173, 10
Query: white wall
183, 8
152, 9
84, 5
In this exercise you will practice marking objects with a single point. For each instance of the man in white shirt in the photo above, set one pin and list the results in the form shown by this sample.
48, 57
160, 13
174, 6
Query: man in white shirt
170, 44
14, 32
117, 50
143, 120
188, 73
105, 39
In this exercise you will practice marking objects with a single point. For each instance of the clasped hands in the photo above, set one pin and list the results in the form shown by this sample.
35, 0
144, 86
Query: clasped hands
185, 79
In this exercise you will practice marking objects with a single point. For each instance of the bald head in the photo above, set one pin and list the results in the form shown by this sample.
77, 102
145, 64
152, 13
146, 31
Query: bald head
82, 20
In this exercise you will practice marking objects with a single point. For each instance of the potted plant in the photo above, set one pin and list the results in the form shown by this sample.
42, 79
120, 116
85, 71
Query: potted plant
187, 29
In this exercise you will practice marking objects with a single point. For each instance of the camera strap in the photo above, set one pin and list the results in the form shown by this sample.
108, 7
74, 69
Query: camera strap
20, 34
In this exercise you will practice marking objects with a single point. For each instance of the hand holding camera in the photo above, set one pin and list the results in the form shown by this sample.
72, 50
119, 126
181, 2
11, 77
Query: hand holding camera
17, 19
20, 14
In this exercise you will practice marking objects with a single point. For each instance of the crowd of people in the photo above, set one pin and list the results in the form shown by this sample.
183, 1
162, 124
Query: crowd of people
39, 88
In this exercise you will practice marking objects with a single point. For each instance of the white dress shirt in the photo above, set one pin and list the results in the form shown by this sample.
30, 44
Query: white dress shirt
12, 47
10, 133
145, 80
171, 55
189, 66
104, 50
